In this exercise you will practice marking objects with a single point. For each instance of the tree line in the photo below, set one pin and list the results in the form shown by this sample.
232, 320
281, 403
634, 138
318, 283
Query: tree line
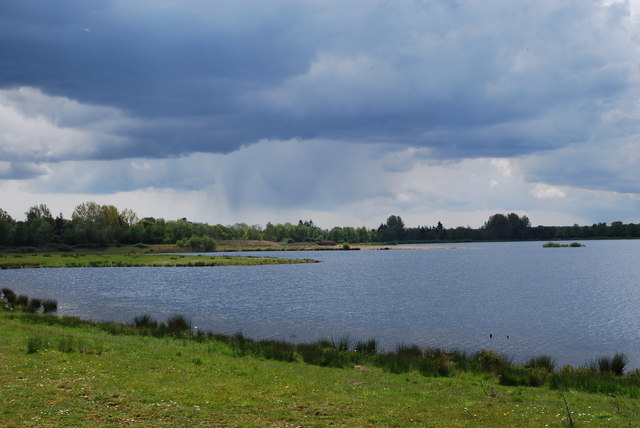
92, 224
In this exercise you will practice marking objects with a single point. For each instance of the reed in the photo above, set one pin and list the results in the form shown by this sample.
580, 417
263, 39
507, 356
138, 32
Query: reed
9, 296
35, 305
145, 321
368, 348
178, 325
542, 362
49, 305
22, 301
618, 363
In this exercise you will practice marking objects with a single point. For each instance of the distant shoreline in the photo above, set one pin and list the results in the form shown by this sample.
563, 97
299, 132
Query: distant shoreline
406, 247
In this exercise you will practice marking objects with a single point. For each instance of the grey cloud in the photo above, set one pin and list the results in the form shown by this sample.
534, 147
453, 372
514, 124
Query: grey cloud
268, 174
595, 166
21, 170
467, 79
114, 176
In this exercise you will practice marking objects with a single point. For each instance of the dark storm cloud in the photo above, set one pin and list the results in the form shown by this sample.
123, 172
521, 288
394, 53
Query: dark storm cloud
468, 79
20, 171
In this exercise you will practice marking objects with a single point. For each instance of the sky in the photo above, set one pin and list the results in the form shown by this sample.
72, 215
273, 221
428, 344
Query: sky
341, 112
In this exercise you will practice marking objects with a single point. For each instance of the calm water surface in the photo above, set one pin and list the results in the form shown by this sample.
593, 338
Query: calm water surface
572, 303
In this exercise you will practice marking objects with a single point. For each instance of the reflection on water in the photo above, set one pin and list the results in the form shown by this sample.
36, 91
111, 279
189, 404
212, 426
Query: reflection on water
518, 298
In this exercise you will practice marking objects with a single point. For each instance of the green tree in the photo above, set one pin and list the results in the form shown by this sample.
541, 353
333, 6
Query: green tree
497, 227
40, 225
617, 229
393, 229
6, 225
39, 212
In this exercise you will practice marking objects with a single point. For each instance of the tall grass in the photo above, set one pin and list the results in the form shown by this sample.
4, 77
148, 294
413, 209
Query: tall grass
605, 375
542, 362
368, 348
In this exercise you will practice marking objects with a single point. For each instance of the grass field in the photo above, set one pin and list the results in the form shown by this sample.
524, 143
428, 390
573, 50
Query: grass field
82, 375
45, 260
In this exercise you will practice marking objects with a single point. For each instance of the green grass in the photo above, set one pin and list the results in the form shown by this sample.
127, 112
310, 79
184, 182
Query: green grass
65, 372
55, 260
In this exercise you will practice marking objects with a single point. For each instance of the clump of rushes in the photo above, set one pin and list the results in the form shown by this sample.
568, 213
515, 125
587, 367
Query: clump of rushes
9, 296
618, 363
542, 362
370, 347
604, 364
49, 305
145, 321
22, 300
178, 324
342, 344
35, 304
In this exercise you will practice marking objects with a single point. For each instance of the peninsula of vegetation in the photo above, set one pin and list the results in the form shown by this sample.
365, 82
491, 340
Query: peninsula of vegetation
56, 260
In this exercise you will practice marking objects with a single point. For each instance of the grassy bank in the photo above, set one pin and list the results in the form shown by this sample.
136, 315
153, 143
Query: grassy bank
62, 371
54, 260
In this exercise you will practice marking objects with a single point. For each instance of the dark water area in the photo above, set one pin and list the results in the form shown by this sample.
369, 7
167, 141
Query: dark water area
574, 304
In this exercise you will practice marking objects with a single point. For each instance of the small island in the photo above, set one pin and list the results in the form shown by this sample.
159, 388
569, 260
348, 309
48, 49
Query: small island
558, 245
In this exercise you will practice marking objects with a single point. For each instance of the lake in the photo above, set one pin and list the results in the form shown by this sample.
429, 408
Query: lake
574, 304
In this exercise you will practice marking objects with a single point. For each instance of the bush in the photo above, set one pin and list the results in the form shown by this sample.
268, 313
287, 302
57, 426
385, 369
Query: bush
35, 344
490, 361
198, 243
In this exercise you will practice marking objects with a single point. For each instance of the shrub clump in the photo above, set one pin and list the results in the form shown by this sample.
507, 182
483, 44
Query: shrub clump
145, 321
9, 296
49, 305
24, 304
198, 243
541, 362
178, 324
